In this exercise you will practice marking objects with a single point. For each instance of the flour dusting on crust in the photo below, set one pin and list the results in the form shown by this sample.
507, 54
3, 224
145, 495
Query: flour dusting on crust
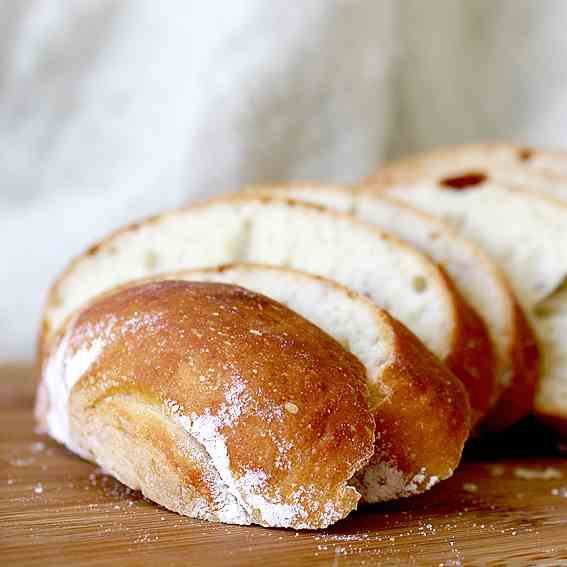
250, 489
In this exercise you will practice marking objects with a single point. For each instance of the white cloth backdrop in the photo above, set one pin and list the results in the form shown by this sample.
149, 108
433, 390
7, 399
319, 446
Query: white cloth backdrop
113, 109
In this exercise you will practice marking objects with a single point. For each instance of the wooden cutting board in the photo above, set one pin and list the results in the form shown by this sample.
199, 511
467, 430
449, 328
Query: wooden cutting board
56, 509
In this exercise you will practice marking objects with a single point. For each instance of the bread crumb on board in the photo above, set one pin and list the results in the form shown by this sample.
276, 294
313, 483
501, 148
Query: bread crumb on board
470, 487
549, 473
497, 470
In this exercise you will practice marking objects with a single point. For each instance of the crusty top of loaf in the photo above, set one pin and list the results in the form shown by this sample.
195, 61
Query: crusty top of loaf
279, 405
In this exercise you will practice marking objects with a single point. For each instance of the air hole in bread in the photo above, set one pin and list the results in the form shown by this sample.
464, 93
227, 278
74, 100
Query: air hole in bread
465, 181
151, 260
419, 284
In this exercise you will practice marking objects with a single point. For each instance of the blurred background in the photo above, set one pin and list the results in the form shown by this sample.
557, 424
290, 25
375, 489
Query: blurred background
113, 109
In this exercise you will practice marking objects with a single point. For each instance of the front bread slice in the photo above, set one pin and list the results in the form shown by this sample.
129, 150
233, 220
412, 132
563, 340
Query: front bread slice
526, 233
285, 233
420, 408
214, 401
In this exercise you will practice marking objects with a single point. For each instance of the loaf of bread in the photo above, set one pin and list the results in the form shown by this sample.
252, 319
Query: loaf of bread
215, 401
222, 404
482, 284
285, 233
526, 233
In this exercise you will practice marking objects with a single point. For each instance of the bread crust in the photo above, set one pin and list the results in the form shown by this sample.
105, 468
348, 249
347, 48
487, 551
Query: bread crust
517, 400
472, 357
429, 449
279, 407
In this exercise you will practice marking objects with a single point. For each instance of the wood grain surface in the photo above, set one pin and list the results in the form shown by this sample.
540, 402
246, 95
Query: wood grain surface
507, 505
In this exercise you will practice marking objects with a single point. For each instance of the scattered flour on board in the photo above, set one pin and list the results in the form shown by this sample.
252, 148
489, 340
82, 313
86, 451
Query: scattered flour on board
549, 473
561, 491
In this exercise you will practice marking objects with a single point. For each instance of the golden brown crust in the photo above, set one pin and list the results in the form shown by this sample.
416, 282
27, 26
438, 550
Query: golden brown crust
472, 357
516, 401
436, 401
287, 400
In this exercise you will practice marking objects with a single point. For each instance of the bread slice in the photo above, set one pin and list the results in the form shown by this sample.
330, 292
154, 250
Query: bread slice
481, 283
290, 234
526, 233
216, 402
405, 381
532, 168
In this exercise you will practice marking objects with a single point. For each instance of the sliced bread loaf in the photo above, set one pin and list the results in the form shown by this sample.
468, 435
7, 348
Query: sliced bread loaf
478, 279
405, 381
391, 273
526, 233
216, 402
533, 168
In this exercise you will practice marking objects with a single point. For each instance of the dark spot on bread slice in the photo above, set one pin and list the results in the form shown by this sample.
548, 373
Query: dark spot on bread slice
93, 250
465, 181
525, 154
419, 284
